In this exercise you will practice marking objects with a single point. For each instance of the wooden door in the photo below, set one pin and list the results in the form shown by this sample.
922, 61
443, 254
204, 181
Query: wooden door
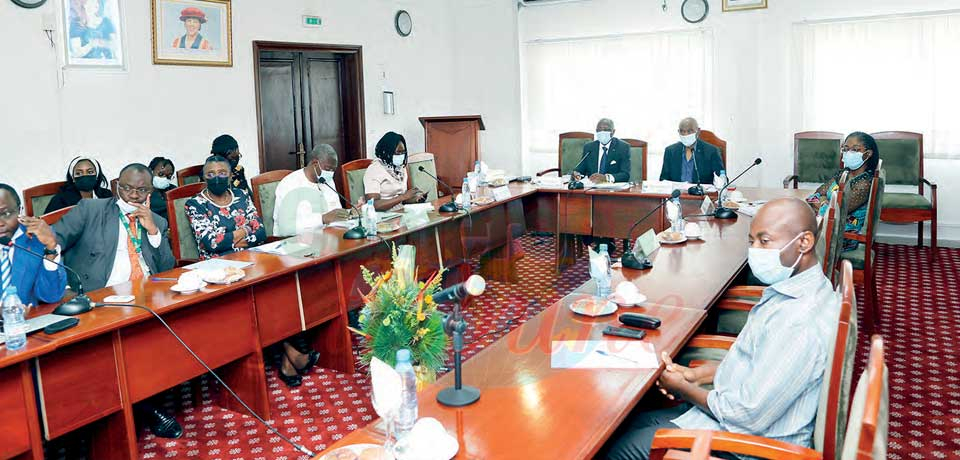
281, 102
324, 124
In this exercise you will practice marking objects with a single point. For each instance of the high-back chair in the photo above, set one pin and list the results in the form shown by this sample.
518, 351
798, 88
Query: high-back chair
570, 152
113, 185
53, 217
864, 257
264, 191
866, 437
420, 180
830, 241
902, 153
830, 422
712, 139
183, 242
351, 173
816, 155
189, 175
638, 160
36, 199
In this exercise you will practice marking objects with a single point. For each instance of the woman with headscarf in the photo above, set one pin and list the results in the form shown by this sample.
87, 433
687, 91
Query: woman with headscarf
85, 179
385, 181
163, 182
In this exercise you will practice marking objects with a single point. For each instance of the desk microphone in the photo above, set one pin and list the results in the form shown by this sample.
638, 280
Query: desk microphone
354, 233
628, 259
696, 190
472, 287
722, 212
75, 306
576, 184
449, 206
454, 324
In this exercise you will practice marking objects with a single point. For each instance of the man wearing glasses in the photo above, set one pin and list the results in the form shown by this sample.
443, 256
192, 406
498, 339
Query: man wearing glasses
37, 279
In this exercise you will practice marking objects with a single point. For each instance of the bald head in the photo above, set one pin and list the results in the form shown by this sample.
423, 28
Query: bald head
688, 125
791, 215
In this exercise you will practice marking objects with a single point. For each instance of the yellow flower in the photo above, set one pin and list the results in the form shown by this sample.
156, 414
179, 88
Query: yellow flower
422, 332
421, 316
428, 299
386, 321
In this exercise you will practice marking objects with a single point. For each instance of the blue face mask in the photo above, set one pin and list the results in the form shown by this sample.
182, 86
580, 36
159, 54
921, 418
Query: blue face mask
604, 137
765, 264
853, 160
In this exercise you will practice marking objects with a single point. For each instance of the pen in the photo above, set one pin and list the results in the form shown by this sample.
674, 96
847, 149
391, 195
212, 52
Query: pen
604, 353
163, 279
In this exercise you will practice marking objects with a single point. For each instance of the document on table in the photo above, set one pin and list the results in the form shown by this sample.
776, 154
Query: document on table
668, 187
218, 264
282, 248
612, 186
603, 354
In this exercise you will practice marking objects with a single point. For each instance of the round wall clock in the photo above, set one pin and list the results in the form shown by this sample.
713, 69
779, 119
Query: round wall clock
694, 11
403, 23
29, 3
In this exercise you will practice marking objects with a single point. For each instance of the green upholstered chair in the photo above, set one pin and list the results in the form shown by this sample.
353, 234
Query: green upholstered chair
712, 139
189, 175
570, 151
264, 191
866, 437
902, 153
182, 241
36, 199
638, 160
816, 155
863, 258
351, 173
416, 178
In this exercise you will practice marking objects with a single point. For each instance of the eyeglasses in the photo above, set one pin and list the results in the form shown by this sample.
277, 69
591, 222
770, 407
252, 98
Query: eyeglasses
128, 189
4, 215
215, 175
856, 148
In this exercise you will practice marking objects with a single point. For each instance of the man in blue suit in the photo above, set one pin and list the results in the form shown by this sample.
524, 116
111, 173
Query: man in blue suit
37, 280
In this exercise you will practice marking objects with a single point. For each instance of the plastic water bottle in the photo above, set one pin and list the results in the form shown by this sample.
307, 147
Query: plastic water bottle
720, 182
370, 219
465, 195
14, 326
408, 400
605, 274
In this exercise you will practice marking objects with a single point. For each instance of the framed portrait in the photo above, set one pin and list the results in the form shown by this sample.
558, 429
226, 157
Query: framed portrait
93, 34
739, 5
192, 32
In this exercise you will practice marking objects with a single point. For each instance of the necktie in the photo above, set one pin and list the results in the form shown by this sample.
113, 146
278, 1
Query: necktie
5, 270
603, 161
136, 272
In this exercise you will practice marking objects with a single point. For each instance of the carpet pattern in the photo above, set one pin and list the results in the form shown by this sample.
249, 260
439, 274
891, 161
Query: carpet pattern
920, 318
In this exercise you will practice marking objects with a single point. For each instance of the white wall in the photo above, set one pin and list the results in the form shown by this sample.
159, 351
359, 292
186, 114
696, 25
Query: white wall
176, 111
753, 104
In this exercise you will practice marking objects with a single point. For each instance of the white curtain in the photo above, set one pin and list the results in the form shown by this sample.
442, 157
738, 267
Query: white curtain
893, 74
646, 83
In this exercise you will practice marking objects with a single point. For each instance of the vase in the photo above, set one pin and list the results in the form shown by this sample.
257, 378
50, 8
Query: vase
424, 375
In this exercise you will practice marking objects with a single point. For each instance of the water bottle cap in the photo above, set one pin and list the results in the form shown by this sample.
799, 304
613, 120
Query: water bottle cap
403, 355
603, 247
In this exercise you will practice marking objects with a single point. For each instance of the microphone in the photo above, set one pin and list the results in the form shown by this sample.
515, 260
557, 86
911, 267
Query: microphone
449, 206
696, 190
473, 286
75, 306
628, 259
575, 184
354, 233
722, 212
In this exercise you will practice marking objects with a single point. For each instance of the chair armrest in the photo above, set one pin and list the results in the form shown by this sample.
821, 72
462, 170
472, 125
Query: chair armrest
744, 291
930, 184
933, 191
744, 444
855, 236
791, 178
736, 304
548, 171
721, 342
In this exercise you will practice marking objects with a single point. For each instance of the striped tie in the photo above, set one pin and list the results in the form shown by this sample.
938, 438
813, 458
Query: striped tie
5, 269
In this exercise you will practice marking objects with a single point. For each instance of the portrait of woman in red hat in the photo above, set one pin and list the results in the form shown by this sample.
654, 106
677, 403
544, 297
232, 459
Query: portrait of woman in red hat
192, 32
193, 19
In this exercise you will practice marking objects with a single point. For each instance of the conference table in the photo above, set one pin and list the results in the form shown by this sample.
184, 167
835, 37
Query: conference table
92, 375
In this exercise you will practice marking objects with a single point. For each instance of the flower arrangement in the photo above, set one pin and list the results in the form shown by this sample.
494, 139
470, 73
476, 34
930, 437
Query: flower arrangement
399, 313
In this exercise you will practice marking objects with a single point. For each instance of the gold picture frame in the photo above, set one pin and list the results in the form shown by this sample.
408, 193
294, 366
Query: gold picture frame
192, 32
741, 5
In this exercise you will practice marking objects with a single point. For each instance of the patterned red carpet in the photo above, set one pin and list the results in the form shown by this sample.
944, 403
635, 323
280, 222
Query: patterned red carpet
920, 321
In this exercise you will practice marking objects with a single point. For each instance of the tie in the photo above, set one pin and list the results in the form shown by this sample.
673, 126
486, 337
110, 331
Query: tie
136, 272
603, 161
5, 269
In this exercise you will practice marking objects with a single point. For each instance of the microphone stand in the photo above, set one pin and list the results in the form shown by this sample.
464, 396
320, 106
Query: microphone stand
80, 303
355, 233
628, 259
696, 190
449, 206
458, 395
576, 184
726, 213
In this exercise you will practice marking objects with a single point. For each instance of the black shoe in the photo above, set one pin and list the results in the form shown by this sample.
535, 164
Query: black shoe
162, 425
312, 359
292, 381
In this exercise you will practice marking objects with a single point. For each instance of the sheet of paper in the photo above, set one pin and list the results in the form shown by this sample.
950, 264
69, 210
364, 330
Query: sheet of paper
603, 354
418, 207
344, 224
501, 193
214, 264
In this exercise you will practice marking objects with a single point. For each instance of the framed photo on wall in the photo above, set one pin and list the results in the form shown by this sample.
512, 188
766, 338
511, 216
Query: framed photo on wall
192, 32
738, 5
93, 34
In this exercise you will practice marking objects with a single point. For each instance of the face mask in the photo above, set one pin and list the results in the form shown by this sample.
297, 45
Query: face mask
162, 182
688, 139
234, 161
765, 264
85, 183
604, 137
398, 160
853, 160
125, 207
324, 174
218, 185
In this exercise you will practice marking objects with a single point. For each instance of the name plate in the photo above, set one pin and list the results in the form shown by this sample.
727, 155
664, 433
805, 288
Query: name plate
707, 206
501, 193
645, 245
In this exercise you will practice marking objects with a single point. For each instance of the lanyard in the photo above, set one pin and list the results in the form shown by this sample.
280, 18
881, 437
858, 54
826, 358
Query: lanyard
134, 237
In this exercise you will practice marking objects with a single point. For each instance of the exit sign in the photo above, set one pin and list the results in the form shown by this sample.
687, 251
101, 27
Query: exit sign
311, 21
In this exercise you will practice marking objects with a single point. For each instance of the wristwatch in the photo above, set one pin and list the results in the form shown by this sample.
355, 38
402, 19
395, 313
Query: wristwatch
51, 252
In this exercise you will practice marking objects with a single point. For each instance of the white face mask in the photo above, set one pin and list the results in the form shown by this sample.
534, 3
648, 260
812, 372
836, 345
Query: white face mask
765, 264
398, 160
688, 139
162, 182
326, 176
125, 207
853, 160
604, 136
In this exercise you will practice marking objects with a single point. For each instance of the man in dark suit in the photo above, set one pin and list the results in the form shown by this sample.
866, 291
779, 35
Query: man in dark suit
606, 159
37, 277
691, 157
115, 240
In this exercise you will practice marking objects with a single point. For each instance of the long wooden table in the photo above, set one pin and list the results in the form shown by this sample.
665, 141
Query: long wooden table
92, 375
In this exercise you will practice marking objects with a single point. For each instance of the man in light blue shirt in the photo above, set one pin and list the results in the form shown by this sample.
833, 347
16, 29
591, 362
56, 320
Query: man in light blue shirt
769, 382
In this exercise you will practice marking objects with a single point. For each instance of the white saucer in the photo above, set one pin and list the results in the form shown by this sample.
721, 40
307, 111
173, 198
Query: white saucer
588, 307
663, 241
178, 289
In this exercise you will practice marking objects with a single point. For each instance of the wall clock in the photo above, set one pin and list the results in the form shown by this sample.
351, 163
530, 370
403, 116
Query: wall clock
694, 11
29, 3
403, 23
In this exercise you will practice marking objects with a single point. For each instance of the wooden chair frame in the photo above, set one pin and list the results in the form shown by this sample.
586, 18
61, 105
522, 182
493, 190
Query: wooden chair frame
804, 135
637, 143
173, 195
189, 171
354, 165
39, 190
871, 411
868, 276
712, 139
265, 178
567, 135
